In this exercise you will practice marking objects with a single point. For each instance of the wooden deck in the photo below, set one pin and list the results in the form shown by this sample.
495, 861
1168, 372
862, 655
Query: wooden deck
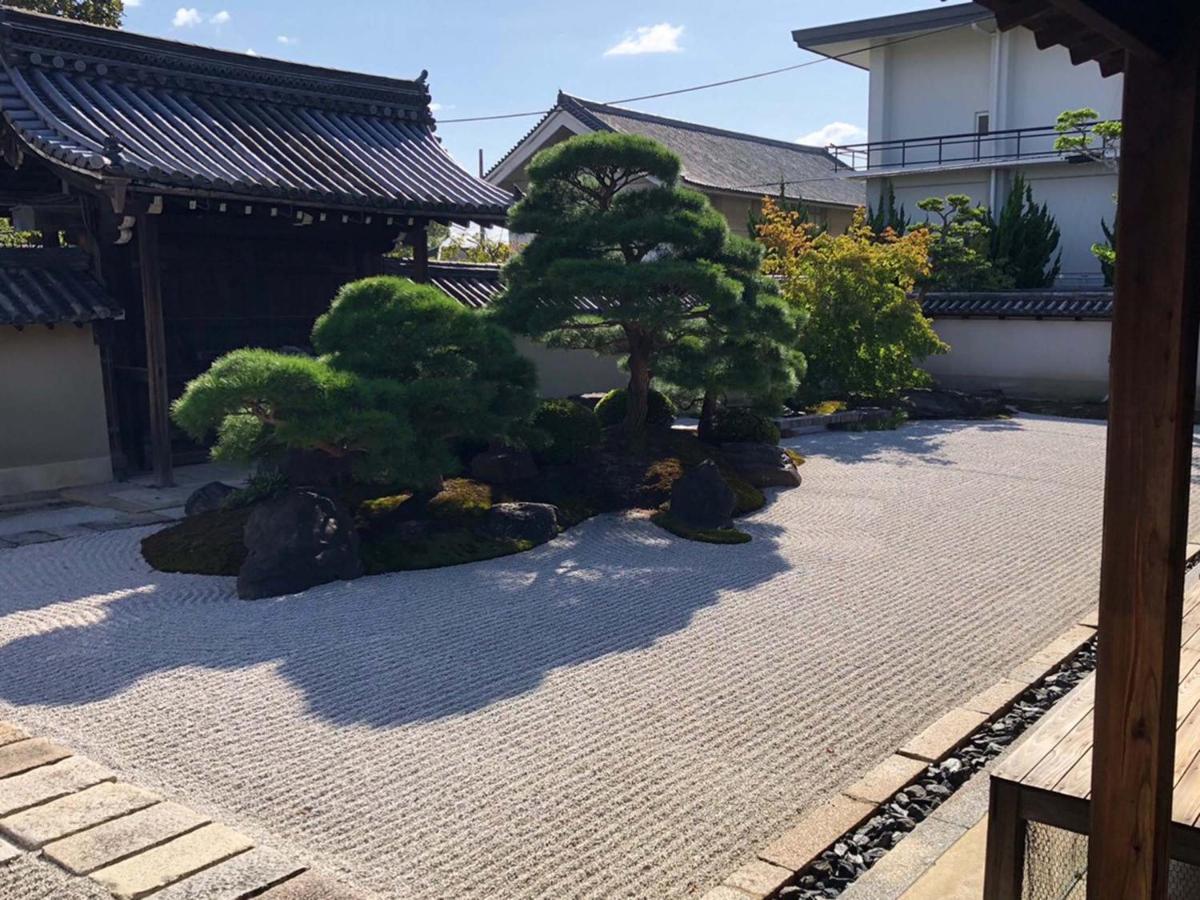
1048, 778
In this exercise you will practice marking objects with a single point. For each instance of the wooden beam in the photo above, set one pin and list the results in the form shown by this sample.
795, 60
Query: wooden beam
1151, 34
420, 244
156, 349
1147, 479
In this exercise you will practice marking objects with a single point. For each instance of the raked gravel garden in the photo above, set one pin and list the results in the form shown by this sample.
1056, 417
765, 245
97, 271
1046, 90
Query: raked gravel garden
617, 713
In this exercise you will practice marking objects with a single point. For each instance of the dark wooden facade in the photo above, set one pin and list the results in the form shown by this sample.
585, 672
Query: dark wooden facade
221, 198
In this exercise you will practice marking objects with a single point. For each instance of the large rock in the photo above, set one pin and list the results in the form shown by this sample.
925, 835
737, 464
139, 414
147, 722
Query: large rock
503, 466
296, 541
702, 500
762, 465
207, 498
533, 522
934, 403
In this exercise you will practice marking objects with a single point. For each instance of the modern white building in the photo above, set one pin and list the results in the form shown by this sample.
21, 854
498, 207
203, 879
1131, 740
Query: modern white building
957, 106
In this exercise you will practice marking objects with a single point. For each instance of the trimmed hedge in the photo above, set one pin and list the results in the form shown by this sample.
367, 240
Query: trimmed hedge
740, 425
571, 431
611, 409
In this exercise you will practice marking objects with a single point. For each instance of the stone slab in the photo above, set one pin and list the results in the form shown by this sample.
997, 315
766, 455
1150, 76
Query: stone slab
943, 735
25, 538
63, 817
1092, 618
1036, 667
968, 804
314, 886
816, 832
46, 783
885, 779
53, 519
173, 861
21, 756
906, 862
247, 873
119, 838
999, 696
10, 734
958, 873
8, 852
759, 879
720, 892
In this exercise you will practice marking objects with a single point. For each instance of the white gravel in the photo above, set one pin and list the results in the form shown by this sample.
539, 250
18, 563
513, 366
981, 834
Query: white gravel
616, 714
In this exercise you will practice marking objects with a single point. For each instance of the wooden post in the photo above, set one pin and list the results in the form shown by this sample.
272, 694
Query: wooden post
420, 244
1152, 389
156, 349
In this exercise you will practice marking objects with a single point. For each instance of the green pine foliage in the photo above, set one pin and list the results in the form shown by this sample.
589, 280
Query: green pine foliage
404, 374
567, 431
738, 424
1106, 252
960, 255
98, 12
612, 227
888, 214
1025, 238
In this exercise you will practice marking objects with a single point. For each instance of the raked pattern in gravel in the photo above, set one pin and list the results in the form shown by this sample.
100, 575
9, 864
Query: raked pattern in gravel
618, 713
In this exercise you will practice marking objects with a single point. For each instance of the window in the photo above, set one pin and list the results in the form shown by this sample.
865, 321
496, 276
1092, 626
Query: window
983, 123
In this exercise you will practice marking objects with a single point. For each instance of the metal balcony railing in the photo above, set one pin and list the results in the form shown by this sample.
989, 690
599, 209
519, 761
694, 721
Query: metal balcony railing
1008, 144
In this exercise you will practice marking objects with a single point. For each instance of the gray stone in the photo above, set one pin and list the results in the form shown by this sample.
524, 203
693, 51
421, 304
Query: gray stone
296, 541
10, 734
63, 817
208, 498
246, 873
21, 756
702, 500
115, 840
173, 861
533, 522
46, 783
922, 403
24, 538
8, 852
762, 465
503, 466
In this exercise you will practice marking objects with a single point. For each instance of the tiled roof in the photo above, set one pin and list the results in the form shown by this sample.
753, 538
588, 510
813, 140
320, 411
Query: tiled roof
1033, 304
46, 286
471, 284
729, 160
186, 119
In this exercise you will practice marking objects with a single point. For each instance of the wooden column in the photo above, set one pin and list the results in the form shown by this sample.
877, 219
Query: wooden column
156, 349
420, 244
1147, 478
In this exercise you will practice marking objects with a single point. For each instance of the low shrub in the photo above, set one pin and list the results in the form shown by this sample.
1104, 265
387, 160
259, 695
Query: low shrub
610, 410
569, 430
460, 499
737, 424
665, 521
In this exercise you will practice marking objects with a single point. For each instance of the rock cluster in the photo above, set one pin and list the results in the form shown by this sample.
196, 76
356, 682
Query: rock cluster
934, 403
762, 465
702, 500
837, 868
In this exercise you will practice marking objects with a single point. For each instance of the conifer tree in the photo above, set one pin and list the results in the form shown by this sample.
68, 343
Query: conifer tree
1025, 238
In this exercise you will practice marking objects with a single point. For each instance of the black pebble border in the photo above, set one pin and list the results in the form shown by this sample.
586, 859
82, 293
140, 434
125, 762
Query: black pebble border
856, 851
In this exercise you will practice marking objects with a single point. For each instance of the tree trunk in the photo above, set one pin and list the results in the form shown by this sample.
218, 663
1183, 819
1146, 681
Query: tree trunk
639, 384
708, 413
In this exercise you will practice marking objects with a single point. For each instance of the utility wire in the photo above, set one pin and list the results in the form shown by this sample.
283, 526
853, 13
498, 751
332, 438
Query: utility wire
711, 84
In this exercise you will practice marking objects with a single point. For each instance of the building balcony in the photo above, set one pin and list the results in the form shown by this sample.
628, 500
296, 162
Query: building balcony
1011, 146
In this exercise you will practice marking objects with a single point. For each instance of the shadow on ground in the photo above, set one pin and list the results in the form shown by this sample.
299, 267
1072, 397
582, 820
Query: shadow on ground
388, 650
910, 444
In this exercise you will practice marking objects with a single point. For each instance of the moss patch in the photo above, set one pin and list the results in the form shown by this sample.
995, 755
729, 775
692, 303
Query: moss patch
748, 497
712, 536
206, 544
448, 548
381, 510
460, 499
795, 457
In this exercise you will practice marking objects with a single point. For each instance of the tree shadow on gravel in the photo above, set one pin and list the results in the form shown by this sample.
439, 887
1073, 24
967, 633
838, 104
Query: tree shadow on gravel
395, 649
915, 443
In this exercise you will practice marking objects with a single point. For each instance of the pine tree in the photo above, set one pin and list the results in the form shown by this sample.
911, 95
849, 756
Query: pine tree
888, 215
1025, 238
623, 260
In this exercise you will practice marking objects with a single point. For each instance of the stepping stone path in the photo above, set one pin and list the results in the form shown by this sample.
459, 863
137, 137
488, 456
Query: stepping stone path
128, 840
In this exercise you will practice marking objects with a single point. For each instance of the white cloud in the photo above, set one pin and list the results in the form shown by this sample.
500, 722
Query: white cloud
186, 18
284, 39
221, 18
833, 133
130, 4
660, 38
434, 107
251, 52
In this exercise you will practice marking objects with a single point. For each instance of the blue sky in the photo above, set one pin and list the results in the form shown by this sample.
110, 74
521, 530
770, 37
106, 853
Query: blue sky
486, 58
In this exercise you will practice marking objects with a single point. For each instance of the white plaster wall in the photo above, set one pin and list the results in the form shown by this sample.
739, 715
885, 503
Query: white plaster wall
1042, 83
562, 373
54, 432
1078, 195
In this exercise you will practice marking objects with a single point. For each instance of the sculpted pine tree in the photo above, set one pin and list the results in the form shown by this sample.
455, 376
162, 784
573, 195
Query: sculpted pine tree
623, 260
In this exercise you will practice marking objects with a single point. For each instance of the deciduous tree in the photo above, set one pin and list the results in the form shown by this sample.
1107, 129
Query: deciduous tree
98, 12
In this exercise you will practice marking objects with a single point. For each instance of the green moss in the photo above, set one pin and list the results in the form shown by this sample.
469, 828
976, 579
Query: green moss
460, 499
450, 548
749, 498
206, 544
826, 407
381, 510
794, 456
713, 536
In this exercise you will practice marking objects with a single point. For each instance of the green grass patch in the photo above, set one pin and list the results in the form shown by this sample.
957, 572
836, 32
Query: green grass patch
448, 548
460, 499
711, 536
206, 544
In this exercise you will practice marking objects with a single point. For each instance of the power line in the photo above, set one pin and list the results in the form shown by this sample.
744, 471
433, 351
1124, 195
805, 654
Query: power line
711, 84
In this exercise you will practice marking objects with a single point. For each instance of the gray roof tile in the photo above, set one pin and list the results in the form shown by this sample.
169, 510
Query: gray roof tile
50, 285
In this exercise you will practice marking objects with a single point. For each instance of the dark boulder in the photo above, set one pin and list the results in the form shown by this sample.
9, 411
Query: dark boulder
503, 466
762, 465
533, 522
207, 498
295, 541
935, 403
701, 499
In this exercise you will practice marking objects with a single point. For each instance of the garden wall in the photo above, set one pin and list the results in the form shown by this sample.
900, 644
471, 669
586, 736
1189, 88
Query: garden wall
52, 410
562, 373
